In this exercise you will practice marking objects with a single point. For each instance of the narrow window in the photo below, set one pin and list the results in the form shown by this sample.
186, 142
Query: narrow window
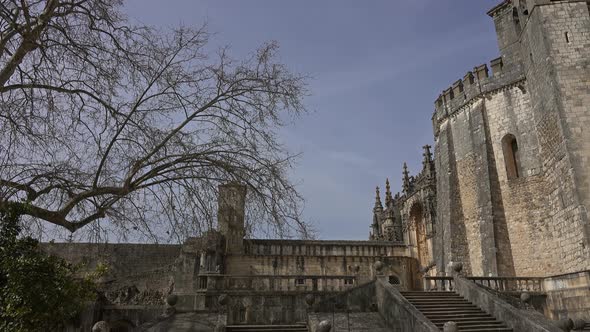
299, 281
516, 20
524, 7
567, 37
511, 159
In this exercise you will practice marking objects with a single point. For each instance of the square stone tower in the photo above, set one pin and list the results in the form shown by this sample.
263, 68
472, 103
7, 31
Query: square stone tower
554, 44
231, 214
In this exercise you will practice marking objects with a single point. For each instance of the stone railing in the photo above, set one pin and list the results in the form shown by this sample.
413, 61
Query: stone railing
511, 284
259, 283
519, 320
438, 283
500, 284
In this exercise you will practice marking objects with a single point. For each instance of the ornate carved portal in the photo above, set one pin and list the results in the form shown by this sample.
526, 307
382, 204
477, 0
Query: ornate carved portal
419, 226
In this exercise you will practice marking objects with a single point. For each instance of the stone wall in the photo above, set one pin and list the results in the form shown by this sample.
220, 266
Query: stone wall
350, 322
146, 266
320, 258
524, 207
357, 299
398, 313
558, 74
568, 296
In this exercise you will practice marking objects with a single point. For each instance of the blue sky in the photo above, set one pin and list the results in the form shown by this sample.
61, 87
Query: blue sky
376, 66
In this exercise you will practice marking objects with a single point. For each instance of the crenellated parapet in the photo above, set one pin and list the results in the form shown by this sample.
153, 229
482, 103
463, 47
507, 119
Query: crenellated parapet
511, 18
479, 83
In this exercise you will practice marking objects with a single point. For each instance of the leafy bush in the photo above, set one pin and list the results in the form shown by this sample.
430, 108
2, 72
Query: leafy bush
38, 292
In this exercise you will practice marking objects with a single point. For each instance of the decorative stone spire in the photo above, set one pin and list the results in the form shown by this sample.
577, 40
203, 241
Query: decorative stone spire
388, 197
406, 178
427, 155
378, 206
428, 162
375, 233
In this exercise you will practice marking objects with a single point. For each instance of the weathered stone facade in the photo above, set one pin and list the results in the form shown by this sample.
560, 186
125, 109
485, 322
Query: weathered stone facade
409, 217
512, 150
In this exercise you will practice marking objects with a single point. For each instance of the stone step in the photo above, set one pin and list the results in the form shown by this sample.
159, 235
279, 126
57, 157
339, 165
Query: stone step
442, 301
457, 313
448, 306
272, 329
264, 328
418, 293
466, 320
451, 316
437, 300
442, 307
473, 323
434, 311
486, 329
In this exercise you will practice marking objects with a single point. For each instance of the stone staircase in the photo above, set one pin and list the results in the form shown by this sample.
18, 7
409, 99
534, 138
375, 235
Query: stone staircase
267, 328
441, 307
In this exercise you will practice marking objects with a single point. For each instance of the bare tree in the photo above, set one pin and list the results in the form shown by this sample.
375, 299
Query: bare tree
104, 120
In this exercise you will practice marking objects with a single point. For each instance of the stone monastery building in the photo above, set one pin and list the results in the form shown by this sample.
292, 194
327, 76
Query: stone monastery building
493, 234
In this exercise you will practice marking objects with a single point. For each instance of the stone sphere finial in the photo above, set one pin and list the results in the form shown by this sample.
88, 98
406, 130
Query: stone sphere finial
223, 299
379, 266
324, 326
101, 326
172, 299
309, 299
525, 297
450, 327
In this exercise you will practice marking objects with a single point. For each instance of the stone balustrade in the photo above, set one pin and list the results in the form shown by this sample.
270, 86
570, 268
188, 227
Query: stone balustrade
295, 283
438, 283
511, 284
501, 284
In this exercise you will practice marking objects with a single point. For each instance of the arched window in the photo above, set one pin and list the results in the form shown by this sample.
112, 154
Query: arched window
511, 159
